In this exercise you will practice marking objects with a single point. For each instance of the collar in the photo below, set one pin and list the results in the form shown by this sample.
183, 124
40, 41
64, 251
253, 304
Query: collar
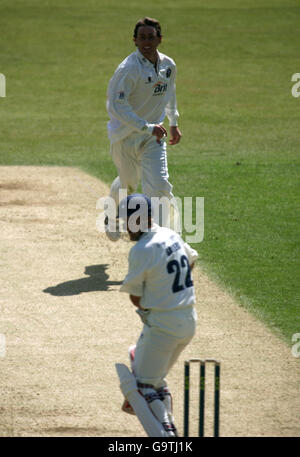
146, 61
154, 228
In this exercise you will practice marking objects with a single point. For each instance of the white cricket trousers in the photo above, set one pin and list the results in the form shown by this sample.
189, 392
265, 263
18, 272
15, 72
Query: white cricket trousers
139, 157
161, 343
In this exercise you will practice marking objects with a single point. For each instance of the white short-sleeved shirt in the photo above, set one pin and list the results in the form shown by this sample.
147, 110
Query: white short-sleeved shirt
159, 271
139, 95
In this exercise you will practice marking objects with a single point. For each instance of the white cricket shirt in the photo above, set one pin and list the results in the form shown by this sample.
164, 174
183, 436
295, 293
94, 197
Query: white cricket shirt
159, 271
139, 95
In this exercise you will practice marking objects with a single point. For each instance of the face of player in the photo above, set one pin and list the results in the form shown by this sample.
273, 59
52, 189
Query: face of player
147, 42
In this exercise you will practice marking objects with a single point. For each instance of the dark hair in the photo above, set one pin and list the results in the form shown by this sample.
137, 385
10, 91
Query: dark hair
147, 21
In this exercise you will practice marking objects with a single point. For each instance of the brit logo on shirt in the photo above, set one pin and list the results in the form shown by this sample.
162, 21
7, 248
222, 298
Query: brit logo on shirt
159, 88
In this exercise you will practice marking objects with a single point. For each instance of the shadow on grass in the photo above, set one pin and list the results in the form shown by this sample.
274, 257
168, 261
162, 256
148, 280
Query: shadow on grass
97, 280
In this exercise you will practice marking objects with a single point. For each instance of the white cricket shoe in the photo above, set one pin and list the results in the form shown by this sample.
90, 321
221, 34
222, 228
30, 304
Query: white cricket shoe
112, 230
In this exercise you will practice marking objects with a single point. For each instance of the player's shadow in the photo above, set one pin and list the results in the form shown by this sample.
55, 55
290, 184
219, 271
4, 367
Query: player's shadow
97, 280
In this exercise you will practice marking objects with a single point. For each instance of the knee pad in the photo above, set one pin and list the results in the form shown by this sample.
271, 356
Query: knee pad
155, 403
152, 426
166, 398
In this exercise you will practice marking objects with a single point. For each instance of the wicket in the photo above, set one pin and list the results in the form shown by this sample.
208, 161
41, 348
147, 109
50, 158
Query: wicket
202, 364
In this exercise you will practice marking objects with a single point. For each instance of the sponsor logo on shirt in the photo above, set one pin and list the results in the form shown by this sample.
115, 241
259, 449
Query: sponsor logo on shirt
159, 88
121, 95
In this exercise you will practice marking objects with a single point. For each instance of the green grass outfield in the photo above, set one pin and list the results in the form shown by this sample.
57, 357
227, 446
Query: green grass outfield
240, 122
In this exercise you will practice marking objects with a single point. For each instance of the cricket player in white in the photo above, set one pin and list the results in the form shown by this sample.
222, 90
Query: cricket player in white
160, 285
140, 94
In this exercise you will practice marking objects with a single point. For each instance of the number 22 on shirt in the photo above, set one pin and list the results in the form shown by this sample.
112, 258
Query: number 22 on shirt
182, 270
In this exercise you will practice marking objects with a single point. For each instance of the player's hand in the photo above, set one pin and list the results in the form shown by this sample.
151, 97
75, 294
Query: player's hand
175, 134
143, 314
159, 131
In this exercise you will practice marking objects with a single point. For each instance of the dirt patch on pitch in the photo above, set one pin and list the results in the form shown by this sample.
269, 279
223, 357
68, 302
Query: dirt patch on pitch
65, 325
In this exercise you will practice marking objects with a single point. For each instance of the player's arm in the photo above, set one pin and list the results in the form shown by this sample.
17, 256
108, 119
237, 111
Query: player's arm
121, 86
172, 113
119, 90
142, 312
191, 253
133, 284
136, 301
